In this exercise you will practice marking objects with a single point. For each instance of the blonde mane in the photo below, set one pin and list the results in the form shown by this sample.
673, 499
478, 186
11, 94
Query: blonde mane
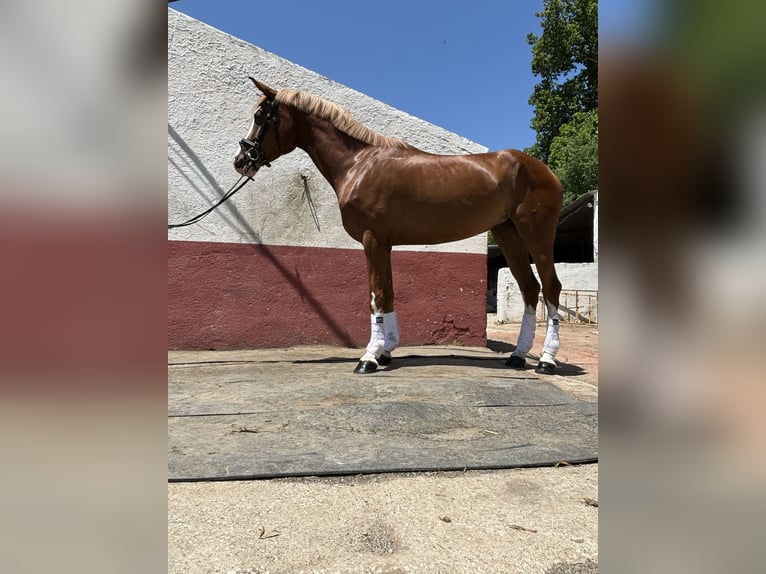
338, 117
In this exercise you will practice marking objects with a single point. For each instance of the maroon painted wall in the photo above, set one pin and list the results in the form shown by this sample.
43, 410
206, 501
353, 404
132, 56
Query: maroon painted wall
237, 296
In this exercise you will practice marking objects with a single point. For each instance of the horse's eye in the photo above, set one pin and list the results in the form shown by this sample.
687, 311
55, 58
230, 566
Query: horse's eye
258, 117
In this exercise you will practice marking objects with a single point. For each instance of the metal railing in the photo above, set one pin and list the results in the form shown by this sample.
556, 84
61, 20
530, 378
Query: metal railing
578, 306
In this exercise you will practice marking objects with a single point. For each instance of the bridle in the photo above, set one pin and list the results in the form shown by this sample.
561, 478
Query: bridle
252, 149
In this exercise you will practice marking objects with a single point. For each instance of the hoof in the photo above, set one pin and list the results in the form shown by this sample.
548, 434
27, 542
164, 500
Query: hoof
546, 369
516, 362
384, 359
365, 367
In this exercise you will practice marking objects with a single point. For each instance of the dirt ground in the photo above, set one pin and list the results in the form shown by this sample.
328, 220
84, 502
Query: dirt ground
579, 344
541, 520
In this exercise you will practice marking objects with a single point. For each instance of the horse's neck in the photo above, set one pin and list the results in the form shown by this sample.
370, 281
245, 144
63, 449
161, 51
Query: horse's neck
333, 152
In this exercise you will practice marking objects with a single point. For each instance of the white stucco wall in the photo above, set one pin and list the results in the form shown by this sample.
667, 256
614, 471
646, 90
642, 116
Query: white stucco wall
573, 277
210, 100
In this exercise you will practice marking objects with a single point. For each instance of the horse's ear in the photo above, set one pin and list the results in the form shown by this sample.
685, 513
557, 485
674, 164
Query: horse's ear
267, 91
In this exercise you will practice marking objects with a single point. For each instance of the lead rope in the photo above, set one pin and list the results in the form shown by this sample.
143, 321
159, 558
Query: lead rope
234, 189
309, 201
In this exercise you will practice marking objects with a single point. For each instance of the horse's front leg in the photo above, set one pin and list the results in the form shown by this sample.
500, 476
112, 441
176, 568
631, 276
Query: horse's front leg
384, 328
390, 322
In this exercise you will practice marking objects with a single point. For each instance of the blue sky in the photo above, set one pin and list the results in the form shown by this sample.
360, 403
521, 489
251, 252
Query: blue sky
464, 66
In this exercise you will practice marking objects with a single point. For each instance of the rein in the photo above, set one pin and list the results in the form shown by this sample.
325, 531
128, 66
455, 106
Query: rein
234, 189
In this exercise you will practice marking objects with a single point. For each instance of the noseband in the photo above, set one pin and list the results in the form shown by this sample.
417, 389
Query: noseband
252, 149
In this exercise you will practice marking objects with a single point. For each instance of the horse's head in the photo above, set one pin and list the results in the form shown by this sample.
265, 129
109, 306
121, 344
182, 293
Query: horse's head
266, 139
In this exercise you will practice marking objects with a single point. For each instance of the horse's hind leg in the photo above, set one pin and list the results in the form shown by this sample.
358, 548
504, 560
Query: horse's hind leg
540, 243
517, 257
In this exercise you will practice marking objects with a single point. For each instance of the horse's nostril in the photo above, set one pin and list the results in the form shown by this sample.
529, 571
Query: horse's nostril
239, 161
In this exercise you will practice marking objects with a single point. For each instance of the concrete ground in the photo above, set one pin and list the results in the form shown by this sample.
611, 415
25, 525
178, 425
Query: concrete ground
518, 520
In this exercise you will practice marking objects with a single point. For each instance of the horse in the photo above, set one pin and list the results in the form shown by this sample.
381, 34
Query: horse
391, 193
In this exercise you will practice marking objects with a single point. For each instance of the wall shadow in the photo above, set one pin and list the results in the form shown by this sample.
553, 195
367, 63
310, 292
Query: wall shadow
188, 160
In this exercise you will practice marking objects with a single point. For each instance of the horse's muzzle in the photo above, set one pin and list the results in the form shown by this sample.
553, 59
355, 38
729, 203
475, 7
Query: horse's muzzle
247, 161
240, 162
244, 165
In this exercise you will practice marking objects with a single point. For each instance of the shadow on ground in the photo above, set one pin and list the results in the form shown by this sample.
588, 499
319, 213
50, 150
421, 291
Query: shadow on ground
455, 360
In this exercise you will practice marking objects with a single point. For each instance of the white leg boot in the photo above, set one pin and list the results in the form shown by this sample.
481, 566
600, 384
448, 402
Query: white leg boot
547, 363
376, 347
391, 332
525, 340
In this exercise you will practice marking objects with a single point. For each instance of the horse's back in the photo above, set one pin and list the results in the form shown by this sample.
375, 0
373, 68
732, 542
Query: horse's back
414, 197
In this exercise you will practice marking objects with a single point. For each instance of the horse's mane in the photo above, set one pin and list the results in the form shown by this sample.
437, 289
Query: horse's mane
338, 117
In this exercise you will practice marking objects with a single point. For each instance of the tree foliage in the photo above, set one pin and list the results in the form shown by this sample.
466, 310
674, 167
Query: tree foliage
565, 56
574, 155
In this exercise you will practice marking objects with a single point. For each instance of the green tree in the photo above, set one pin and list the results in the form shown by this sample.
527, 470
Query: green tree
565, 56
574, 155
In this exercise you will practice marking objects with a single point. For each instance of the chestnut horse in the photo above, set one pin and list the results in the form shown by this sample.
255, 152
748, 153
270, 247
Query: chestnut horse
391, 193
